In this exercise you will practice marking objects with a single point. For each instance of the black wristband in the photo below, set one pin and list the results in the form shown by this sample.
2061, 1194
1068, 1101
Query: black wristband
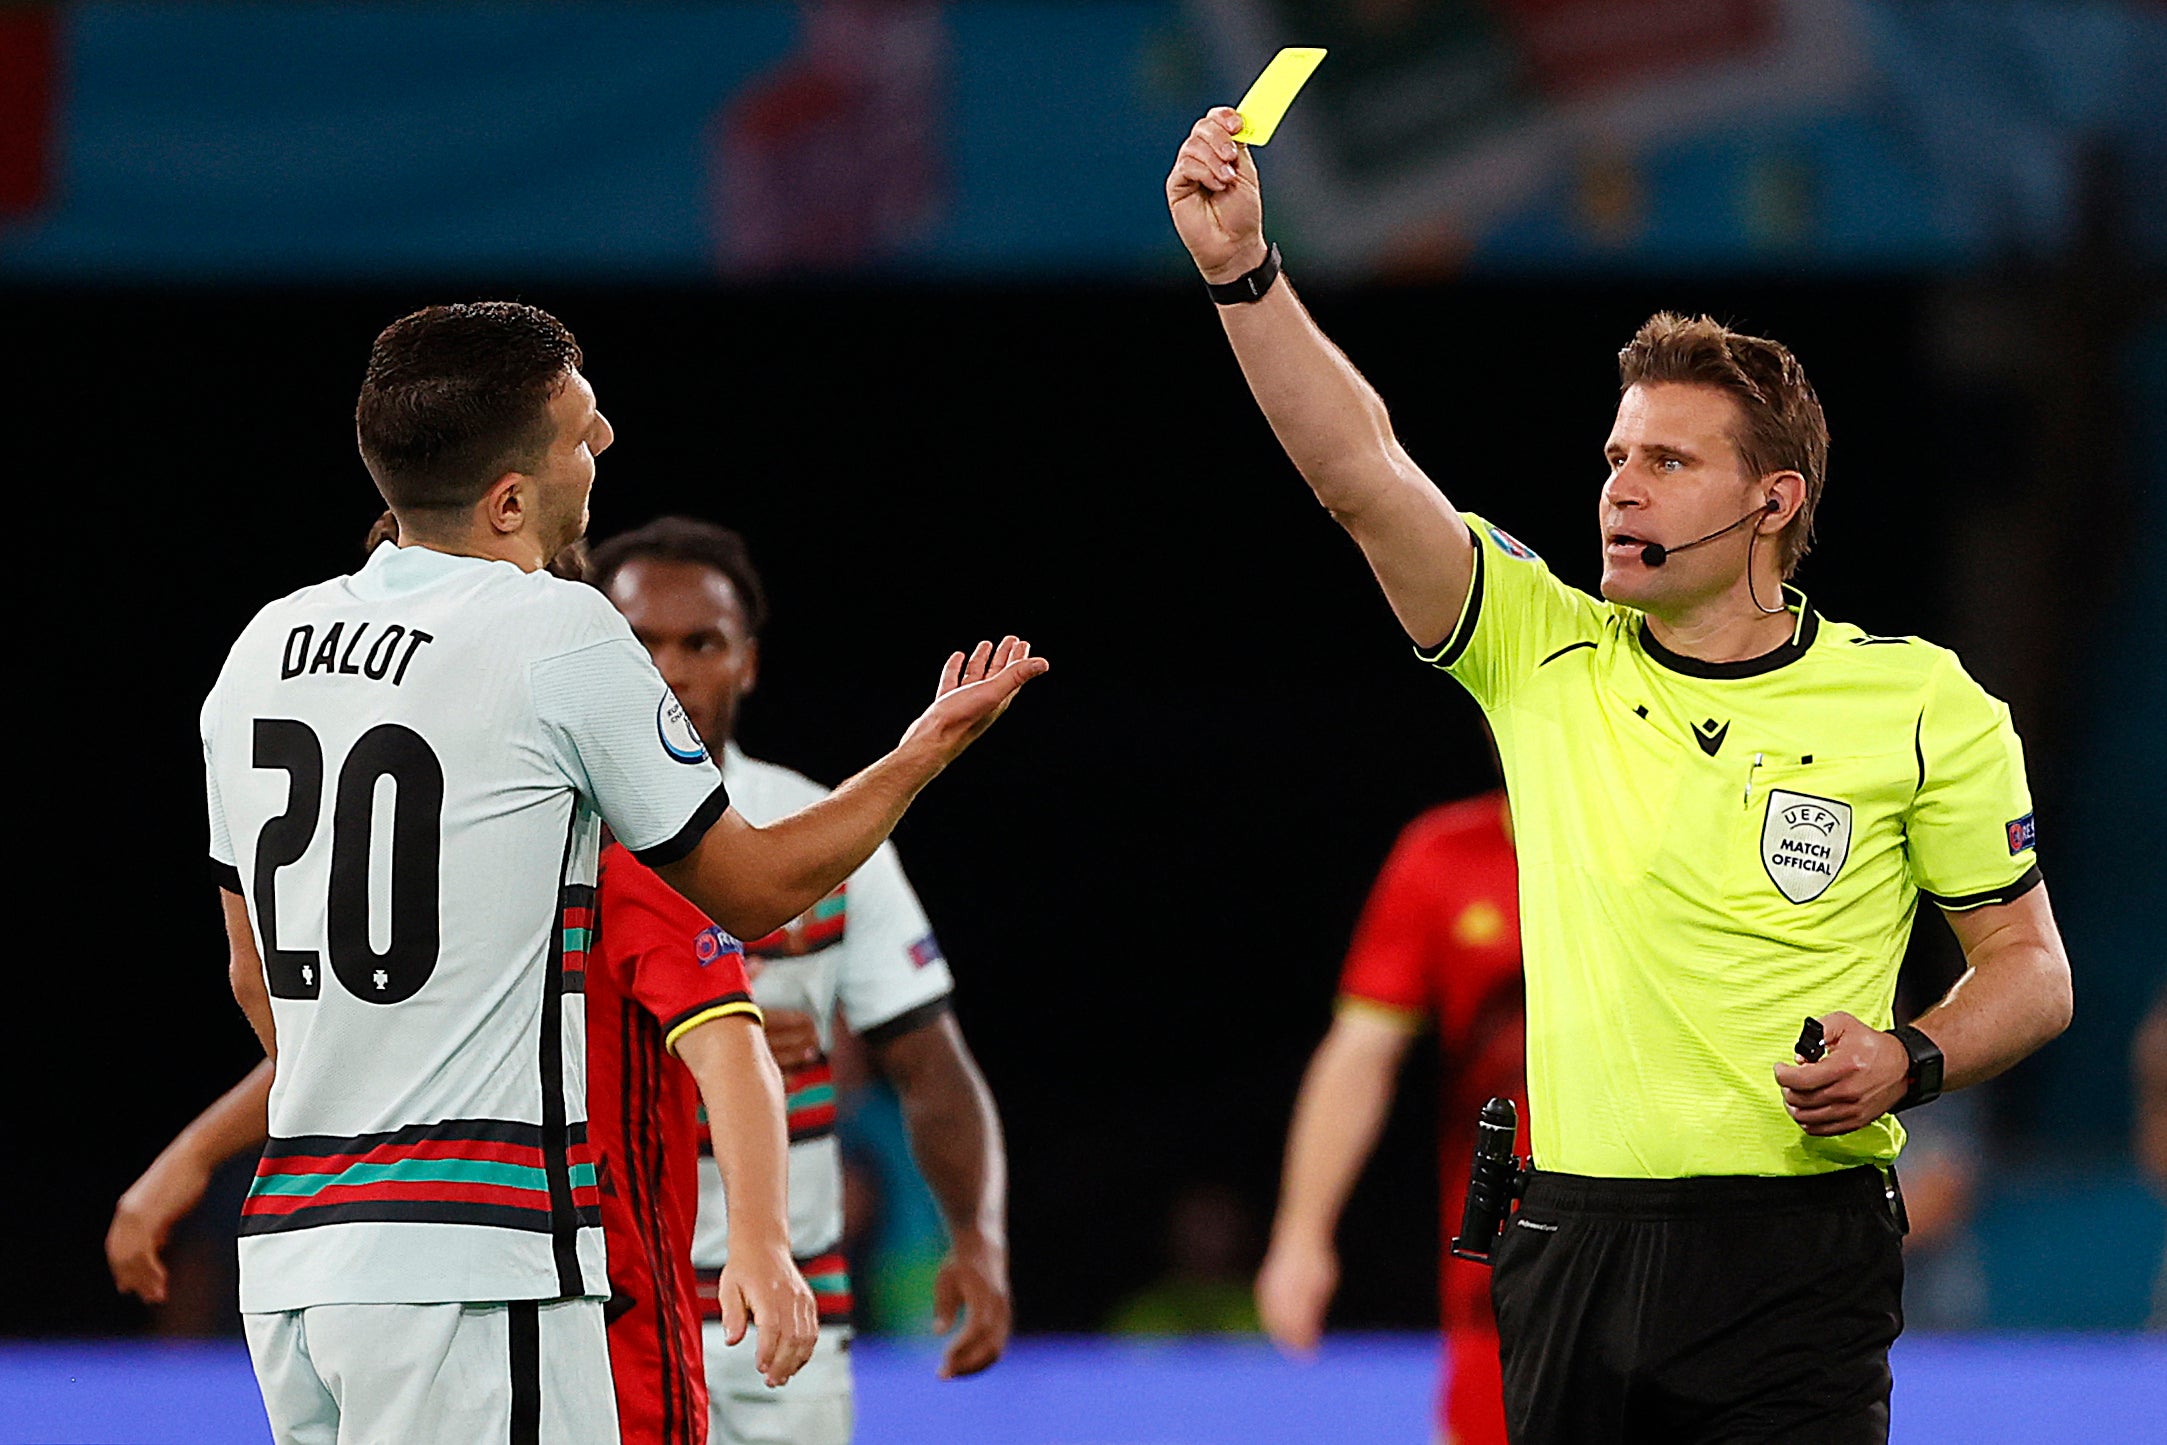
1251, 287
1926, 1068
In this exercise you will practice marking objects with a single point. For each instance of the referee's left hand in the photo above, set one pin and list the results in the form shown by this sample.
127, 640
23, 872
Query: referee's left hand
1860, 1078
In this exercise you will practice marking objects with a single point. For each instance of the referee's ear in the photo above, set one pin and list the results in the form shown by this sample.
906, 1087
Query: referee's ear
1785, 492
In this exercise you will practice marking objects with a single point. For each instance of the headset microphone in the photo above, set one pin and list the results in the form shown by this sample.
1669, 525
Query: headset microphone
1655, 554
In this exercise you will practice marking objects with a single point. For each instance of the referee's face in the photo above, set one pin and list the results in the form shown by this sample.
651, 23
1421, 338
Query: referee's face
1675, 475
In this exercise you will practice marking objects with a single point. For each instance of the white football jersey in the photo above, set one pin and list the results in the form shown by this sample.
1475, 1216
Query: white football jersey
866, 946
408, 769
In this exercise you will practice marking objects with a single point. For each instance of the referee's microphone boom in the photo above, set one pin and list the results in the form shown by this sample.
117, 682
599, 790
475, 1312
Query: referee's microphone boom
1655, 554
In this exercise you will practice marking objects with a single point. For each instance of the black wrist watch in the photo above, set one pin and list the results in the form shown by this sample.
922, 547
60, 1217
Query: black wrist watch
1251, 287
1926, 1065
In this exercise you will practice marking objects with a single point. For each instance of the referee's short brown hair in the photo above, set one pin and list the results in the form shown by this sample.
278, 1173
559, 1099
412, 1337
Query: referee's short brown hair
1783, 429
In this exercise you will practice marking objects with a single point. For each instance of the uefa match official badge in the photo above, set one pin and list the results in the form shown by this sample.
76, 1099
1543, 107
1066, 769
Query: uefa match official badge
1804, 841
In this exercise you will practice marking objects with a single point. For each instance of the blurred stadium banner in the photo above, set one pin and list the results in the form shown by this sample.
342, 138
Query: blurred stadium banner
257, 140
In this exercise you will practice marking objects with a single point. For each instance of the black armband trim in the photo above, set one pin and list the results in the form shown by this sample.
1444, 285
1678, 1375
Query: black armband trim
687, 838
228, 877
909, 1021
1964, 903
1446, 653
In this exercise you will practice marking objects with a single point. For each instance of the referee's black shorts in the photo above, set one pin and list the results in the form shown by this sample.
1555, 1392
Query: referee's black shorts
1680, 1310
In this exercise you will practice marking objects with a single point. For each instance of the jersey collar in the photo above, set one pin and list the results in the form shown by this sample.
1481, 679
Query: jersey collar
393, 569
1802, 635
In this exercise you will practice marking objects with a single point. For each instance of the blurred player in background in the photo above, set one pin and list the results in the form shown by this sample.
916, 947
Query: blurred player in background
661, 984
691, 594
1438, 945
421, 1255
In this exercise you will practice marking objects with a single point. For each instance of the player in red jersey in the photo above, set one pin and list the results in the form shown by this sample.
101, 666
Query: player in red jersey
661, 981
1439, 942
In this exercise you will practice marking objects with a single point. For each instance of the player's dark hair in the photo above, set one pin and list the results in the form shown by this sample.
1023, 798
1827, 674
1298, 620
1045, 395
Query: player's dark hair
1783, 430
570, 564
456, 396
687, 539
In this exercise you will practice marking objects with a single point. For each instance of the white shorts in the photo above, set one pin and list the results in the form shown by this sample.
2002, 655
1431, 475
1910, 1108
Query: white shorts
440, 1374
817, 1406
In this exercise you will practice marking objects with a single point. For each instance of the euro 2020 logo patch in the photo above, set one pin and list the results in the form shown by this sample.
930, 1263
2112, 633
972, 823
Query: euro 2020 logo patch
1804, 841
680, 739
1512, 546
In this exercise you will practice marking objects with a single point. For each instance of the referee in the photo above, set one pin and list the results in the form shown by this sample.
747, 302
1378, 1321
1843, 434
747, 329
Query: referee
1726, 809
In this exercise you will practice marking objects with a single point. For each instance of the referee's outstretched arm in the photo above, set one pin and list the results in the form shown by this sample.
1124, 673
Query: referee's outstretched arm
2013, 997
1330, 420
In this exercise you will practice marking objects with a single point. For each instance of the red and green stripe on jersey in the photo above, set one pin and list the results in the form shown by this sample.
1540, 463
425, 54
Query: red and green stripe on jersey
809, 1100
828, 1275
577, 922
818, 926
490, 1172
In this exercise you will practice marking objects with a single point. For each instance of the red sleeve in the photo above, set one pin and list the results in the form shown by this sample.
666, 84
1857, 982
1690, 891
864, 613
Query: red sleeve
675, 962
1389, 963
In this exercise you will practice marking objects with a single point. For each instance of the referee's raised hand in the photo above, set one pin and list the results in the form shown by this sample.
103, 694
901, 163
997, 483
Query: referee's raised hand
1214, 194
1860, 1078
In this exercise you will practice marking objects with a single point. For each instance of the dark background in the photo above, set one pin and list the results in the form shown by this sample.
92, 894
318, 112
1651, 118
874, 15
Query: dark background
1145, 877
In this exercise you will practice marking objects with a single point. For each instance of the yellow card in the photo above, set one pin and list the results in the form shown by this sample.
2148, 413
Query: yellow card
1267, 101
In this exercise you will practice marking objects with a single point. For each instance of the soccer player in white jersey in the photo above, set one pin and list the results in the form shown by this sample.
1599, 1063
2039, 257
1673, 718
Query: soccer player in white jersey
408, 770
691, 594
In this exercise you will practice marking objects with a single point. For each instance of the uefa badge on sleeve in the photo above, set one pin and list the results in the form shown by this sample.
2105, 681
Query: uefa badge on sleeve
1804, 841
680, 739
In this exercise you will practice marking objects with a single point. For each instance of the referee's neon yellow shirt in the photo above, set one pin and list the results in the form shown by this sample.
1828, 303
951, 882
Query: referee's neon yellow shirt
1710, 852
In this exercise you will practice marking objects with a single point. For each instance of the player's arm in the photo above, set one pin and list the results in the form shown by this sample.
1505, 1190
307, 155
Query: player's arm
743, 1092
176, 1179
244, 972
2013, 997
1338, 1115
1330, 420
955, 1135
753, 880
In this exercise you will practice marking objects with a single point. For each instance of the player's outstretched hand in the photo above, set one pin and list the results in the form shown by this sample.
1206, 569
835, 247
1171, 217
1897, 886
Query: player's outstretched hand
1216, 199
974, 691
973, 1280
1294, 1287
1860, 1078
762, 1287
146, 1214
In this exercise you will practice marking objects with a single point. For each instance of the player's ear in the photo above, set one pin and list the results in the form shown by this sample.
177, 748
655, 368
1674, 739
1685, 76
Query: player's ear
504, 508
752, 667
